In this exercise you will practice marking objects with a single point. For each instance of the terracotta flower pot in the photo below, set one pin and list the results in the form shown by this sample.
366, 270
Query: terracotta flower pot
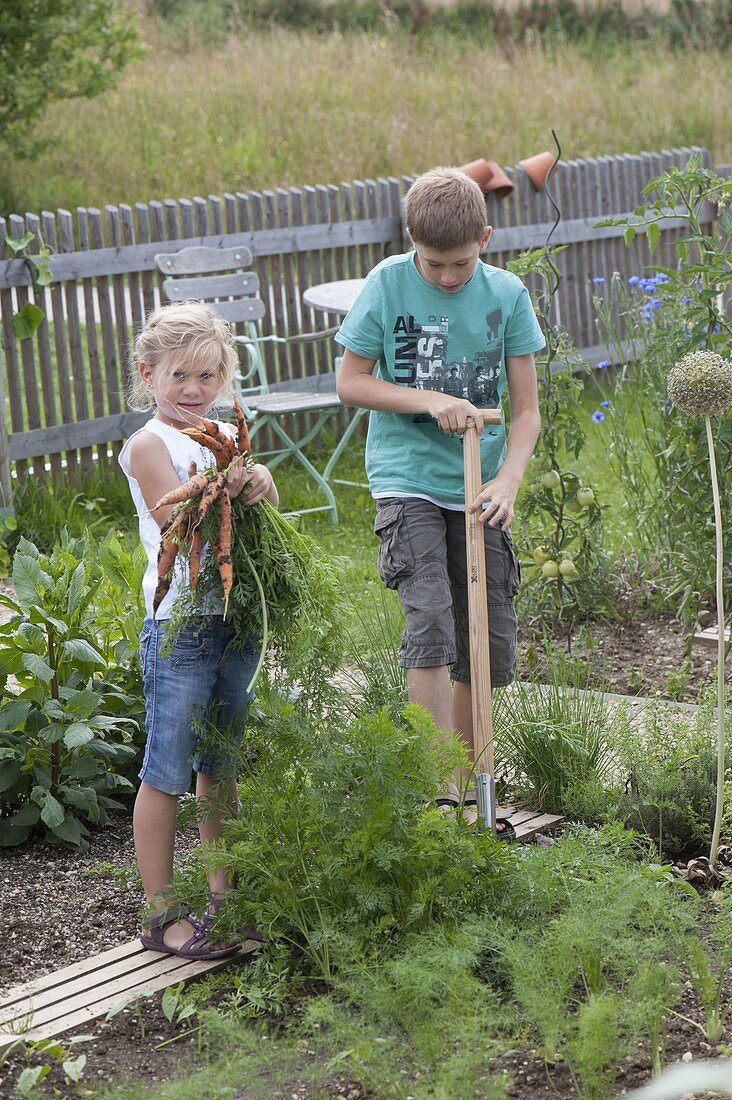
500, 185
480, 171
538, 168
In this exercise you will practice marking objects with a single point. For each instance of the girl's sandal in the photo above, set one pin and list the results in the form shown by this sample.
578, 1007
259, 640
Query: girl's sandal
198, 946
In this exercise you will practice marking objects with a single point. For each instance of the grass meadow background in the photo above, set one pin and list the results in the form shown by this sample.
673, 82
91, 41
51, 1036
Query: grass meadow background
271, 107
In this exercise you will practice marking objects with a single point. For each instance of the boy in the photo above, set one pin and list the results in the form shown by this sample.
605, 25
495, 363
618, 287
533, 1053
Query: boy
424, 317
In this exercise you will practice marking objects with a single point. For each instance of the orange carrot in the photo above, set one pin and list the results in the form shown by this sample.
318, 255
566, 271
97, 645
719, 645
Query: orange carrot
194, 557
186, 491
212, 429
222, 548
167, 554
222, 453
212, 491
243, 442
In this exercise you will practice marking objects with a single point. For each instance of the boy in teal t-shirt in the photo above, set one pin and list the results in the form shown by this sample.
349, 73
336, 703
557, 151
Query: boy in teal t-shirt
446, 333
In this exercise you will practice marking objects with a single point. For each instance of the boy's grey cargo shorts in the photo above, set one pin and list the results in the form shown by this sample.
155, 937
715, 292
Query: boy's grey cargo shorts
423, 556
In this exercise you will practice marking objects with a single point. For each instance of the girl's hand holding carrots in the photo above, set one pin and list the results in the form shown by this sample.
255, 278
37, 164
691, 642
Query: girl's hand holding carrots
256, 484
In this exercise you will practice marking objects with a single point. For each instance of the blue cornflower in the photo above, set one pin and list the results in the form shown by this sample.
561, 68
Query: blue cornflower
598, 417
686, 301
654, 303
661, 277
633, 280
603, 363
598, 280
605, 404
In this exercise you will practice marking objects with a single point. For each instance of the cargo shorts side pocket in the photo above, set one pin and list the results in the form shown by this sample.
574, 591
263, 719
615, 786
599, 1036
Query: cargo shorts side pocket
395, 553
513, 570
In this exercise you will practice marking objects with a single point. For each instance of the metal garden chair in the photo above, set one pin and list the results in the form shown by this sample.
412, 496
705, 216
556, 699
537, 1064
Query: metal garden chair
219, 277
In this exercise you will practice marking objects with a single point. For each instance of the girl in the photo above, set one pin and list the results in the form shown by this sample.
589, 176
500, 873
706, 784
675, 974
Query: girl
184, 361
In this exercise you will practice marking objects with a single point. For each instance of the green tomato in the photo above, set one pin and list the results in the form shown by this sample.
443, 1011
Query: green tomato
567, 567
571, 504
550, 568
540, 555
551, 479
585, 497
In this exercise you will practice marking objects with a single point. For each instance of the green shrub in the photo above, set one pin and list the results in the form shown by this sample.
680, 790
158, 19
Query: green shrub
335, 849
43, 512
553, 740
67, 722
597, 961
669, 766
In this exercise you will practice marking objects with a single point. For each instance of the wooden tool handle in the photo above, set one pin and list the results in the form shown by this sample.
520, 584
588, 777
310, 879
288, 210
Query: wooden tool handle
480, 668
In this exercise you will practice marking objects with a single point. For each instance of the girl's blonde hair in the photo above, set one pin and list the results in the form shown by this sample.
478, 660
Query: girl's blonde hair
188, 334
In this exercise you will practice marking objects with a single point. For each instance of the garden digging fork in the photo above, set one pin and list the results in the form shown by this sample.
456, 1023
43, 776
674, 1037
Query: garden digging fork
480, 665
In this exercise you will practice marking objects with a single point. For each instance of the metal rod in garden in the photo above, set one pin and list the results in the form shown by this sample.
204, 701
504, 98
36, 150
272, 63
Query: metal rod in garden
480, 669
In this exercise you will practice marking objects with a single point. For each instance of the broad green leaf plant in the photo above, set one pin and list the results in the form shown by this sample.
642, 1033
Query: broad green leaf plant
65, 731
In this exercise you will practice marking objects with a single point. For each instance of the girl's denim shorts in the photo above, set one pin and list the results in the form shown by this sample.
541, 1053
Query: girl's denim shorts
196, 702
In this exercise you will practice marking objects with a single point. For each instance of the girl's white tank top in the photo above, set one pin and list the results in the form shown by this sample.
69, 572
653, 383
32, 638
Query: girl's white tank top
183, 451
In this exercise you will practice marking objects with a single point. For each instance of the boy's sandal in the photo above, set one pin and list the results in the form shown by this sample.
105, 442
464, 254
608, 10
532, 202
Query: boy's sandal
504, 827
446, 803
448, 799
198, 946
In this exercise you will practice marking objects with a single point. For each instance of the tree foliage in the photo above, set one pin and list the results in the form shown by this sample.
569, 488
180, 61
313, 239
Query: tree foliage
56, 49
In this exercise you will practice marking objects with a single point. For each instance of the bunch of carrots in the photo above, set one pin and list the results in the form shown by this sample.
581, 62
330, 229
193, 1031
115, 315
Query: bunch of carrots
194, 500
279, 590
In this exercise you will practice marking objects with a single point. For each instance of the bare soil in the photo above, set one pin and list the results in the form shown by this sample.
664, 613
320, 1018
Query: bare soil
647, 657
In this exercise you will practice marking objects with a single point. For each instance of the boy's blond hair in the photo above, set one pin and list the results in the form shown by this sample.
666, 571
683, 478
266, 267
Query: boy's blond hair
444, 209
188, 334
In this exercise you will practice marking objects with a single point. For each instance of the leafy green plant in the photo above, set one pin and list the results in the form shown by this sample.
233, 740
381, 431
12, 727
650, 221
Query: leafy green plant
668, 764
65, 733
335, 848
561, 509
372, 670
574, 973
709, 985
29, 317
553, 738
44, 512
60, 1054
81, 49
135, 1005
652, 322
8, 525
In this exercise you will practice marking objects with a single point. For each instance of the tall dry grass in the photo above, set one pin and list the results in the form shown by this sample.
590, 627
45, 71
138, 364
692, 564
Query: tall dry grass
281, 108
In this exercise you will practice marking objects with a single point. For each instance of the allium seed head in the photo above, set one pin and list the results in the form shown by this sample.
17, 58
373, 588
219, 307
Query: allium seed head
701, 384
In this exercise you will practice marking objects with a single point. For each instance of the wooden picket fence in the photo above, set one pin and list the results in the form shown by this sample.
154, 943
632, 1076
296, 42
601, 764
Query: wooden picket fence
63, 389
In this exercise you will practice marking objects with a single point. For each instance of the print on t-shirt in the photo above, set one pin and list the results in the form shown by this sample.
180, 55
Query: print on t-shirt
422, 360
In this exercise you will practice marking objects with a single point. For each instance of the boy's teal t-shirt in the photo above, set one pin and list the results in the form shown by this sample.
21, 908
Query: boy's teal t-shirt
427, 338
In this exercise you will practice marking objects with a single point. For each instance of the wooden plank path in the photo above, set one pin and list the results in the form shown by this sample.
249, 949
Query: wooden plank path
77, 994
528, 823
709, 637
